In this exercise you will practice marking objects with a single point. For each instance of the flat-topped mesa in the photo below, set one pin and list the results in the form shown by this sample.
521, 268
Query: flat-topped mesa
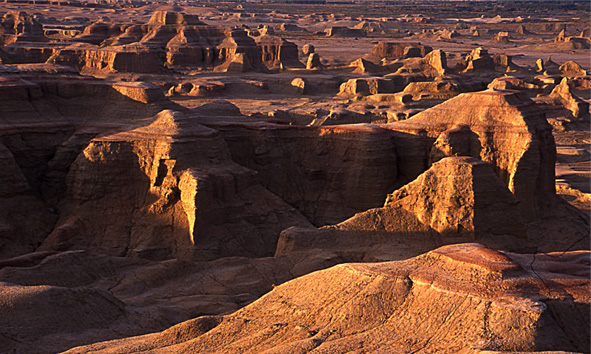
167, 190
174, 18
453, 300
17, 26
391, 51
477, 60
505, 128
277, 52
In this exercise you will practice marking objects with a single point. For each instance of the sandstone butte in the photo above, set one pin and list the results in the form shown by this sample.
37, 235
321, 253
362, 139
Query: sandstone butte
382, 202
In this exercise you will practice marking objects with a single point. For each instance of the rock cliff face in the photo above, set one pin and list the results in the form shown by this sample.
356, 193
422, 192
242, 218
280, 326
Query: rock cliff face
505, 128
44, 124
391, 51
475, 205
562, 95
327, 173
167, 190
25, 217
277, 51
453, 299
17, 26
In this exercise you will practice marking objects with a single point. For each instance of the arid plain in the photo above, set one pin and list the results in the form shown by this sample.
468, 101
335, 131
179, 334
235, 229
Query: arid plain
312, 177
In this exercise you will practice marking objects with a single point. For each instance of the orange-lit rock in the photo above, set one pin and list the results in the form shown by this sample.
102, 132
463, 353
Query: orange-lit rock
453, 299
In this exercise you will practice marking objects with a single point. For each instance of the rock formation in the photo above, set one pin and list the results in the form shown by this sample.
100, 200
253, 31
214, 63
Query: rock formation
501, 38
277, 51
522, 30
391, 50
327, 173
421, 215
478, 59
313, 61
368, 86
363, 66
167, 201
308, 49
432, 65
169, 164
341, 31
511, 83
525, 137
459, 290
571, 68
169, 40
563, 95
16, 26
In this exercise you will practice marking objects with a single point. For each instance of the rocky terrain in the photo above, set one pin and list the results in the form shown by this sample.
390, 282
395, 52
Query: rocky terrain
238, 178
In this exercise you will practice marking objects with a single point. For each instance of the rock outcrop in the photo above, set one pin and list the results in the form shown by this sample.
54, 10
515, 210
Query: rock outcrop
512, 132
327, 173
434, 64
478, 59
47, 116
313, 61
458, 290
562, 94
167, 190
391, 50
276, 51
369, 86
17, 26
476, 206
571, 68
174, 40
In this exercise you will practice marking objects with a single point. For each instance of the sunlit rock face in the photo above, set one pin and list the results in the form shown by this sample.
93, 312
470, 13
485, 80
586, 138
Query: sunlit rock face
460, 290
168, 189
506, 129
